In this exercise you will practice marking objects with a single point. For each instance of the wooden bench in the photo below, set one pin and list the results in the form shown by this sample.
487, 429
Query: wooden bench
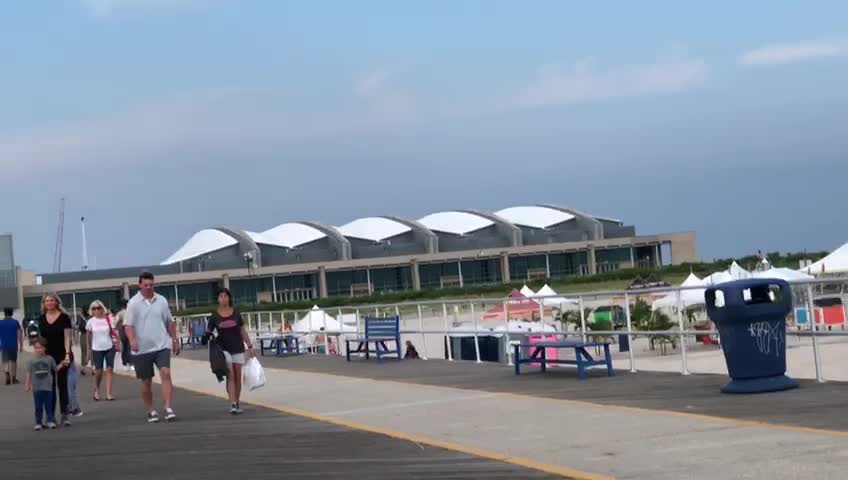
377, 331
583, 359
281, 344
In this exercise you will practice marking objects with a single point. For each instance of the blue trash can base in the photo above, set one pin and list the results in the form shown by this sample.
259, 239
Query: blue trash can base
776, 383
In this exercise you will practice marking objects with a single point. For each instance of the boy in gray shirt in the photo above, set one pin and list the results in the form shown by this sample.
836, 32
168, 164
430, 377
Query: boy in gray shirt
39, 381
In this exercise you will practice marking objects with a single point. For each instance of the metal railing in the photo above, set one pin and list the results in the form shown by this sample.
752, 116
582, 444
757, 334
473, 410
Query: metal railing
413, 321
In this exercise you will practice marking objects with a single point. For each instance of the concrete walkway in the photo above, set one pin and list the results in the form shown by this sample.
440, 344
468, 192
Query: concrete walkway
578, 439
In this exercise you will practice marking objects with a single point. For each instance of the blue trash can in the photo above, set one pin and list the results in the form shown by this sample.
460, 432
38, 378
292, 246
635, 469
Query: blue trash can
751, 319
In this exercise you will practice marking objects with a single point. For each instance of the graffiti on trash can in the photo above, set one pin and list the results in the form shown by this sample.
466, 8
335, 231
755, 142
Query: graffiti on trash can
767, 336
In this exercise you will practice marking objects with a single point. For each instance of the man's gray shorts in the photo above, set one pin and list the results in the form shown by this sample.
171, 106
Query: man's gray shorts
144, 363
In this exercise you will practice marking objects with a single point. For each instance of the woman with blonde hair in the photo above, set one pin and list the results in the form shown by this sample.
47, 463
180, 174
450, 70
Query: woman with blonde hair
102, 345
54, 325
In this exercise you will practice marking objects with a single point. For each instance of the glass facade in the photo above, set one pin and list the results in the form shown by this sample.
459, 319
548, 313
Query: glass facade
251, 291
347, 283
481, 272
439, 275
568, 264
387, 280
525, 268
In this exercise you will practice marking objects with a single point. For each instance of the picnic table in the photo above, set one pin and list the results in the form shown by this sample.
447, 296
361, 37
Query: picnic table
583, 359
282, 344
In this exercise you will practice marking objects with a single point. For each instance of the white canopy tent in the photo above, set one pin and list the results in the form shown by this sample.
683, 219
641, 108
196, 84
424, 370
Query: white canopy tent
836, 262
527, 291
317, 320
784, 274
552, 299
688, 298
515, 327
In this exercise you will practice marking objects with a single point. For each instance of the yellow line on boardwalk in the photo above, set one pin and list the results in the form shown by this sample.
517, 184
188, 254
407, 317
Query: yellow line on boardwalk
519, 461
585, 403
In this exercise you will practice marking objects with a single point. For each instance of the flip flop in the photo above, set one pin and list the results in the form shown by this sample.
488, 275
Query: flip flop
96, 398
110, 399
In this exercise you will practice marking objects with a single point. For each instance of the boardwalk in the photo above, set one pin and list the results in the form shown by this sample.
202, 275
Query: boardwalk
814, 405
113, 442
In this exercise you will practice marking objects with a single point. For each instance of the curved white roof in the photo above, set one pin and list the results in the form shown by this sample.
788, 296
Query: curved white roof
373, 228
458, 223
201, 243
289, 235
535, 217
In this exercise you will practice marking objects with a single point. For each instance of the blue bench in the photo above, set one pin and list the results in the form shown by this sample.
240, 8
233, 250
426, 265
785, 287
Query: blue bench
377, 331
583, 359
282, 344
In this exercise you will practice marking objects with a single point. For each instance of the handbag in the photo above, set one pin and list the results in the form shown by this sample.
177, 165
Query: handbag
116, 340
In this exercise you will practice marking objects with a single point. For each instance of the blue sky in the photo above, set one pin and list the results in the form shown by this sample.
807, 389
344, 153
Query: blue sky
156, 118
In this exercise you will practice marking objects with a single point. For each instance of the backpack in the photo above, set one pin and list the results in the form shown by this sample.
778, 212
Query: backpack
32, 330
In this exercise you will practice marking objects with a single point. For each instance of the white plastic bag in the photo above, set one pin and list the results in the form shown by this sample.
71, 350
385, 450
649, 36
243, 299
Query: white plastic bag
254, 374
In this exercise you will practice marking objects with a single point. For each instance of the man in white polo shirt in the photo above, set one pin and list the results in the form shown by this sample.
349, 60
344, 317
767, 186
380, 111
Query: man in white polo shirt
152, 335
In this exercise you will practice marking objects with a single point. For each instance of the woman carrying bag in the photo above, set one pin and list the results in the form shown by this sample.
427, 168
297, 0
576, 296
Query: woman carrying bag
102, 343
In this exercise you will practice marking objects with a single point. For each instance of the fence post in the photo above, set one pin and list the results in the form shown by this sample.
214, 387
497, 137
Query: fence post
447, 332
506, 332
356, 312
629, 332
811, 317
476, 340
326, 335
684, 369
423, 337
582, 319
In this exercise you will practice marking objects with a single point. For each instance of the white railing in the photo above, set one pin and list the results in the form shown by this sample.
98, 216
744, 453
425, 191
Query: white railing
266, 322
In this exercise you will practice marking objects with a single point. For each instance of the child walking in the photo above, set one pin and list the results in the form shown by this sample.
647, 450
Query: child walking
39, 381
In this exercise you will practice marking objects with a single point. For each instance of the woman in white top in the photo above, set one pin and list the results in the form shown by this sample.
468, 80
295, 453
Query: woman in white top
102, 346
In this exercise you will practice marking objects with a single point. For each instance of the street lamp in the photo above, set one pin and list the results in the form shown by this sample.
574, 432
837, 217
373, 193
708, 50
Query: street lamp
248, 259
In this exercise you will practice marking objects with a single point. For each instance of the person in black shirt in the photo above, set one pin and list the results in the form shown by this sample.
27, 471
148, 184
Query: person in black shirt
55, 327
232, 337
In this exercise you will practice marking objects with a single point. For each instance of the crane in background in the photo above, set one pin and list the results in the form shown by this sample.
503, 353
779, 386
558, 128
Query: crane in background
60, 239
84, 246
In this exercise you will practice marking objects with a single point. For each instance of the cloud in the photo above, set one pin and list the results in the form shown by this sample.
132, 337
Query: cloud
108, 8
382, 99
198, 122
585, 81
781, 53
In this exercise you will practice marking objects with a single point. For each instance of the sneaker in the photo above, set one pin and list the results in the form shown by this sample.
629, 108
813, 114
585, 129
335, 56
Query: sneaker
77, 413
170, 415
153, 417
15, 381
51, 425
65, 421
37, 427
238, 408
233, 408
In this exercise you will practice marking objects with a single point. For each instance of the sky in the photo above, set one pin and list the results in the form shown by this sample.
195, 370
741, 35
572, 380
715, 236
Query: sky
157, 118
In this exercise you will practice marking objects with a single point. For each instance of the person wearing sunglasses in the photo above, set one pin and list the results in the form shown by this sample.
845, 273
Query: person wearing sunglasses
101, 344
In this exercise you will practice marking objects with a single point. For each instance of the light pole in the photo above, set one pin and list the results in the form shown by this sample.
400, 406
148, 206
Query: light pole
248, 259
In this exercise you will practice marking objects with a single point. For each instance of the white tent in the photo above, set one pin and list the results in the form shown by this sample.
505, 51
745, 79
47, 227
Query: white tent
317, 320
836, 262
688, 298
527, 291
552, 299
515, 327
784, 274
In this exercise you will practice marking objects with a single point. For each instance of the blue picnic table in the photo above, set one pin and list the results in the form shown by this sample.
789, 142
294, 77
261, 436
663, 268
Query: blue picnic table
282, 344
583, 359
